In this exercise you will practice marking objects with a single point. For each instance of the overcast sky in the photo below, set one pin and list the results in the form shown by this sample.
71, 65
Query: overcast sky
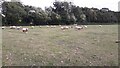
111, 4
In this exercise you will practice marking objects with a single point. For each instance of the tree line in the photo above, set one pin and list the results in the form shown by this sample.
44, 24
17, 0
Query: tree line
62, 13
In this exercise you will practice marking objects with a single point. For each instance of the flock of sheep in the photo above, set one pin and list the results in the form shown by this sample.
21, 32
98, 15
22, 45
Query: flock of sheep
18, 28
25, 30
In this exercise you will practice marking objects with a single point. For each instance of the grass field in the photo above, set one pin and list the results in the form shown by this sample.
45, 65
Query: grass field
93, 46
0, 47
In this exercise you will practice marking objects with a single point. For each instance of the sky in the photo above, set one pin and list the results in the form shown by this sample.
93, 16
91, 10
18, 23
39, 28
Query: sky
111, 4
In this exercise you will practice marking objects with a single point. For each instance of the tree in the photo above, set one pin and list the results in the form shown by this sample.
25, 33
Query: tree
14, 11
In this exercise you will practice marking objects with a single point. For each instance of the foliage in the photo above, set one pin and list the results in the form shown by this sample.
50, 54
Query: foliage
62, 12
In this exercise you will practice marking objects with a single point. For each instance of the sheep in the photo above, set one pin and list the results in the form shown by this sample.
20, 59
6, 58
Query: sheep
117, 41
53, 26
75, 24
64, 27
78, 27
32, 27
12, 27
18, 28
85, 26
71, 26
59, 25
3, 27
40, 26
47, 26
100, 25
25, 30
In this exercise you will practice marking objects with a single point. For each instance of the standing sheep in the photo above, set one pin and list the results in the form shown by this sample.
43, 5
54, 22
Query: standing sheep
12, 27
18, 28
100, 25
25, 30
3, 27
64, 27
32, 27
78, 27
85, 26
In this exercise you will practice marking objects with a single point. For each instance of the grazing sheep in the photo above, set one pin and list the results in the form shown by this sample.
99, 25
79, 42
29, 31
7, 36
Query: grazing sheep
32, 27
78, 27
53, 26
40, 26
25, 30
18, 28
12, 27
85, 26
64, 27
59, 25
75, 24
100, 25
3, 27
117, 41
71, 26
47, 26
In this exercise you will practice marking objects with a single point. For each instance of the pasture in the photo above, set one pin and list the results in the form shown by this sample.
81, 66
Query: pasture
92, 46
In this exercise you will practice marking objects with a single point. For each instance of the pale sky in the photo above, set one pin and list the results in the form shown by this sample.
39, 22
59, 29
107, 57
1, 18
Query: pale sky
111, 4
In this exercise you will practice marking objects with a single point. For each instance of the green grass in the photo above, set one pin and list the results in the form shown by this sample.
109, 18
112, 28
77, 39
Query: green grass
94, 46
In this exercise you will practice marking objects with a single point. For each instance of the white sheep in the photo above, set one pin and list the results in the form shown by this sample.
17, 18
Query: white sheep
25, 30
12, 27
85, 26
32, 27
100, 25
64, 27
59, 25
3, 27
47, 26
53, 26
75, 24
71, 27
18, 28
40, 26
78, 27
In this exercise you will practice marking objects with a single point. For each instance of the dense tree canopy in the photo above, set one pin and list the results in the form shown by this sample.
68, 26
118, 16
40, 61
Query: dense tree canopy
62, 12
